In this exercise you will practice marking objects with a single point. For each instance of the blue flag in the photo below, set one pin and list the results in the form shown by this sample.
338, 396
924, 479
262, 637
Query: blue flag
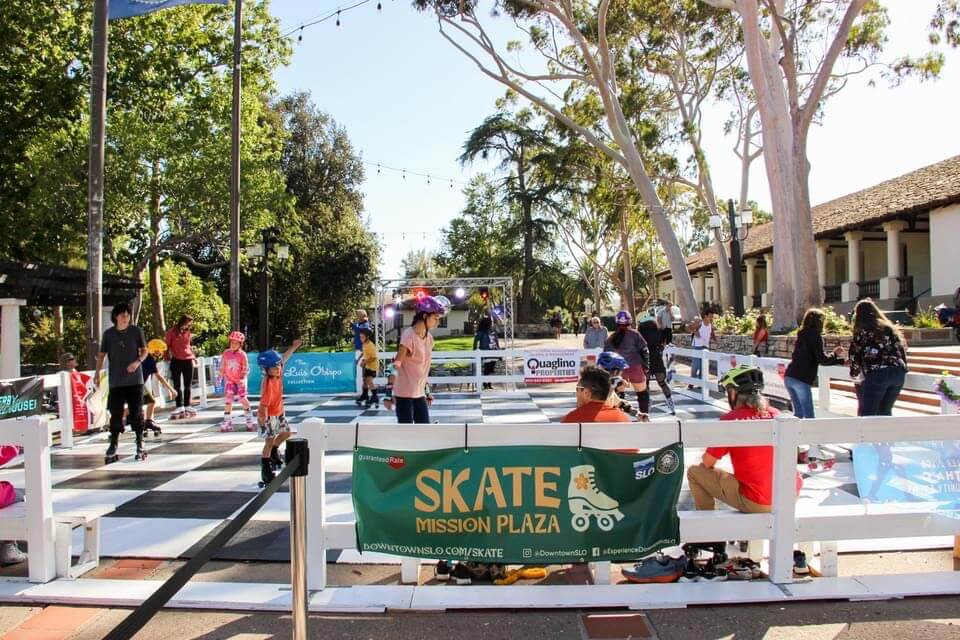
130, 8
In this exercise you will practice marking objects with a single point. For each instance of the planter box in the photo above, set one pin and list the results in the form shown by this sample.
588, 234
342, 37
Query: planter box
928, 337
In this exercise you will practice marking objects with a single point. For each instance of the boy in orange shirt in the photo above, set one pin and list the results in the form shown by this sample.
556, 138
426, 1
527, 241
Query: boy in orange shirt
274, 428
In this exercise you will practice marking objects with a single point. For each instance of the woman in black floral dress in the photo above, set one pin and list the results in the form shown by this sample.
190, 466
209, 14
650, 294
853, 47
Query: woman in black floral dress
878, 359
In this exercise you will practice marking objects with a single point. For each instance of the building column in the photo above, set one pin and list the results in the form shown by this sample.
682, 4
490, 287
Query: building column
822, 247
751, 283
717, 296
10, 337
767, 299
700, 287
850, 290
890, 286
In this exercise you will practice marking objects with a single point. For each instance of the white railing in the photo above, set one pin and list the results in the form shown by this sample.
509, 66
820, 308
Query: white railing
64, 422
783, 526
704, 382
914, 382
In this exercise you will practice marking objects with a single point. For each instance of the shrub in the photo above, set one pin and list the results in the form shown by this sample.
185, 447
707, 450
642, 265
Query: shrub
926, 319
835, 324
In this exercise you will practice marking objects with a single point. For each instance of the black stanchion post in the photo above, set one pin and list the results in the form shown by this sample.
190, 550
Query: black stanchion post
297, 448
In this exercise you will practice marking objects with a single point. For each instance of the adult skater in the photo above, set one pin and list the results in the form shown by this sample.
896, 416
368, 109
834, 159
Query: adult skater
628, 342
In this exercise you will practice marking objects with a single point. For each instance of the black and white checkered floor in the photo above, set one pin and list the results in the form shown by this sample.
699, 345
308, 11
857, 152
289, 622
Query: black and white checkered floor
196, 477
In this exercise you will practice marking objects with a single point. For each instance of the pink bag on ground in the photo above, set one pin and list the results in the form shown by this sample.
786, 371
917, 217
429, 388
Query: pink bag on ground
7, 493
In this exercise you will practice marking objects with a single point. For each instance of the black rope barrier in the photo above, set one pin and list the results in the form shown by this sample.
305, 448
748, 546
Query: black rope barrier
140, 616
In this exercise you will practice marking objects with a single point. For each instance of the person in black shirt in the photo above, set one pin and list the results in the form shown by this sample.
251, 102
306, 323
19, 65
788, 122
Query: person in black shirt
655, 341
807, 357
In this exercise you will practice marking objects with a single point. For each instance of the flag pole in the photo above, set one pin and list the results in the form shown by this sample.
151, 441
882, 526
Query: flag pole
98, 118
235, 171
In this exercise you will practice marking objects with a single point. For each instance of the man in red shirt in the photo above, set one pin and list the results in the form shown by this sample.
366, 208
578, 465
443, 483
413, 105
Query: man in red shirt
593, 390
750, 487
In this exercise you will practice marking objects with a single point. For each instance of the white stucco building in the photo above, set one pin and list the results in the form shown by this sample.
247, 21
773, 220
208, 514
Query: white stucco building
891, 242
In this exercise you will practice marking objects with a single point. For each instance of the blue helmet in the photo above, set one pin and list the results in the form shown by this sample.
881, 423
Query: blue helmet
269, 359
431, 304
624, 317
609, 360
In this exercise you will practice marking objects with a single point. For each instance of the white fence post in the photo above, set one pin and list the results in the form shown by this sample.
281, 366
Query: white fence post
823, 388
202, 381
478, 373
705, 374
784, 532
40, 526
65, 402
315, 432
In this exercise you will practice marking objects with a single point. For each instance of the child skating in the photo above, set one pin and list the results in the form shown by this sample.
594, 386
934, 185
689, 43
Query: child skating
369, 362
274, 428
233, 373
155, 350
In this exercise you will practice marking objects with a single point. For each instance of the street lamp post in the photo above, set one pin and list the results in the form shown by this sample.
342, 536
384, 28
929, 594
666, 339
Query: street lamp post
739, 230
268, 245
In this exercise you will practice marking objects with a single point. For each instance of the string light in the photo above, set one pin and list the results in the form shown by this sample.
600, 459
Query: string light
430, 177
322, 18
338, 17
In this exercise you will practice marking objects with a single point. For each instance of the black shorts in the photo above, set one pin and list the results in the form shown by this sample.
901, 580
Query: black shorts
147, 396
369, 373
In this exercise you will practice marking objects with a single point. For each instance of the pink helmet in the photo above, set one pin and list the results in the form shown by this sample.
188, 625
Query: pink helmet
238, 336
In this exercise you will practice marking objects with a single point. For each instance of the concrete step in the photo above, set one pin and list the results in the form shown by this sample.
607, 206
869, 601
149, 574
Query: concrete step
908, 396
904, 406
953, 370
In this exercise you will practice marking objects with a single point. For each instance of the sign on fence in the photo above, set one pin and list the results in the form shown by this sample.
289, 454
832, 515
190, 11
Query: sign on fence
773, 374
524, 504
219, 385
909, 472
543, 367
21, 397
311, 373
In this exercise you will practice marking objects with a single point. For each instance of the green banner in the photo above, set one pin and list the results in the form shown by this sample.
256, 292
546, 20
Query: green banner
529, 505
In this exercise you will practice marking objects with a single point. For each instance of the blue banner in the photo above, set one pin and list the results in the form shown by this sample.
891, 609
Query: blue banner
909, 472
131, 8
311, 373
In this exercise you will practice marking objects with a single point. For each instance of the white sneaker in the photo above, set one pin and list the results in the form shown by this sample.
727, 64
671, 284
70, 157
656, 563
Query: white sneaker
10, 553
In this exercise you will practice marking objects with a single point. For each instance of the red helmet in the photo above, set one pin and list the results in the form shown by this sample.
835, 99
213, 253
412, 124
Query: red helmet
238, 336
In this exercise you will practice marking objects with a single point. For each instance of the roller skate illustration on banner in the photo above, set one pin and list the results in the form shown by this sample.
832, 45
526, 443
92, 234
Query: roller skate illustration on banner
586, 500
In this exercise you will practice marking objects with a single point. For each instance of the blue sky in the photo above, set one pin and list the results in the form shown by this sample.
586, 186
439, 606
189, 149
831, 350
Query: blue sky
408, 99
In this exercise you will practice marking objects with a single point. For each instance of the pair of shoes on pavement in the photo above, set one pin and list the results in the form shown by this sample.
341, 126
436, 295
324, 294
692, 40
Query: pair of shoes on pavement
10, 553
658, 568
469, 572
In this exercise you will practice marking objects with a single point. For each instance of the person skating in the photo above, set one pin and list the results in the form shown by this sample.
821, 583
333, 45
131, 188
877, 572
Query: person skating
628, 342
155, 350
413, 363
368, 361
126, 348
485, 339
614, 364
234, 367
655, 342
182, 360
274, 428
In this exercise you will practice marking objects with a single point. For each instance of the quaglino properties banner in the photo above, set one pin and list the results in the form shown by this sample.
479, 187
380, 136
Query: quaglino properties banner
21, 397
529, 504
544, 367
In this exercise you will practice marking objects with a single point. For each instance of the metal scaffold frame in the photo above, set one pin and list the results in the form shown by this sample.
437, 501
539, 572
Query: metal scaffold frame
501, 285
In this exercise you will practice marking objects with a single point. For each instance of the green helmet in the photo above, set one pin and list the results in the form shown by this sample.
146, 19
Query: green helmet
743, 378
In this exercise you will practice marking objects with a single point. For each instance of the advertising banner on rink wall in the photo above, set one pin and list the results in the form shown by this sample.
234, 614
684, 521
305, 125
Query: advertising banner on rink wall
545, 367
523, 504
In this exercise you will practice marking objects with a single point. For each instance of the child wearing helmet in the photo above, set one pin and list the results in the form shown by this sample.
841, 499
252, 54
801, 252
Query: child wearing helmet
750, 487
155, 350
274, 428
233, 374
412, 364
614, 364
369, 361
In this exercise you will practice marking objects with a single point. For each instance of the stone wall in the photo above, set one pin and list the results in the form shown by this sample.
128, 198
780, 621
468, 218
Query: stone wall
780, 346
533, 330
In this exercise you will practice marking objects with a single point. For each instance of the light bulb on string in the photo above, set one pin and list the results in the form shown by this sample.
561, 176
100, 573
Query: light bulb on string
404, 174
300, 37
378, 169
338, 17
428, 178
379, 7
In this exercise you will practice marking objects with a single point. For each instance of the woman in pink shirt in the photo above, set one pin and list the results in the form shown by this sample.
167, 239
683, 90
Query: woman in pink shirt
181, 356
410, 392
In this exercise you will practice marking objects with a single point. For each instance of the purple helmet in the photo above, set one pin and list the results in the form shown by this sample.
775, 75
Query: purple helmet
430, 304
624, 317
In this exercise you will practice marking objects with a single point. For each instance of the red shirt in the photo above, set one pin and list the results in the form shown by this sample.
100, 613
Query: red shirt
179, 344
752, 466
596, 412
271, 395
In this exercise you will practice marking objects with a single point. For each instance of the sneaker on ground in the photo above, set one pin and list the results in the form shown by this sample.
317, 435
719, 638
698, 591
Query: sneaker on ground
800, 563
656, 568
10, 553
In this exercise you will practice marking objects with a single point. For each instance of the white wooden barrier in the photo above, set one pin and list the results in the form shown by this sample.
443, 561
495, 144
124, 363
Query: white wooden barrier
62, 424
913, 382
783, 527
704, 383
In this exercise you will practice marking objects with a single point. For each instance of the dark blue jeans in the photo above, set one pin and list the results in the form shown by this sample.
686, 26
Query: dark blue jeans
801, 397
880, 389
412, 410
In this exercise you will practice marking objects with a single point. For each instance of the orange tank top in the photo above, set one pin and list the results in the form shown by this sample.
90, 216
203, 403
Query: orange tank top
272, 396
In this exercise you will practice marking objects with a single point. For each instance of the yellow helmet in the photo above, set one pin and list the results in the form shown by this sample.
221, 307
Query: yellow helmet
157, 347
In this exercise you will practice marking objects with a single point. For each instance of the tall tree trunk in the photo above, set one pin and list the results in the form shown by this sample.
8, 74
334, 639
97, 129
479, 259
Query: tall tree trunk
807, 292
526, 287
631, 301
156, 287
58, 328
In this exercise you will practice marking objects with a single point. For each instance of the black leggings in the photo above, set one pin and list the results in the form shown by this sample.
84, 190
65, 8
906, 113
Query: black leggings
643, 400
412, 410
661, 377
132, 397
182, 373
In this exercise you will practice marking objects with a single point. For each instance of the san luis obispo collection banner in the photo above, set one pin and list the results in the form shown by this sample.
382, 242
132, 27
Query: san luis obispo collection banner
529, 505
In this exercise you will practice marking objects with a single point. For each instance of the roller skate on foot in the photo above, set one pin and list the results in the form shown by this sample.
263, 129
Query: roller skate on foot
266, 473
177, 414
587, 501
149, 426
251, 425
227, 424
190, 413
275, 462
672, 407
140, 455
111, 455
